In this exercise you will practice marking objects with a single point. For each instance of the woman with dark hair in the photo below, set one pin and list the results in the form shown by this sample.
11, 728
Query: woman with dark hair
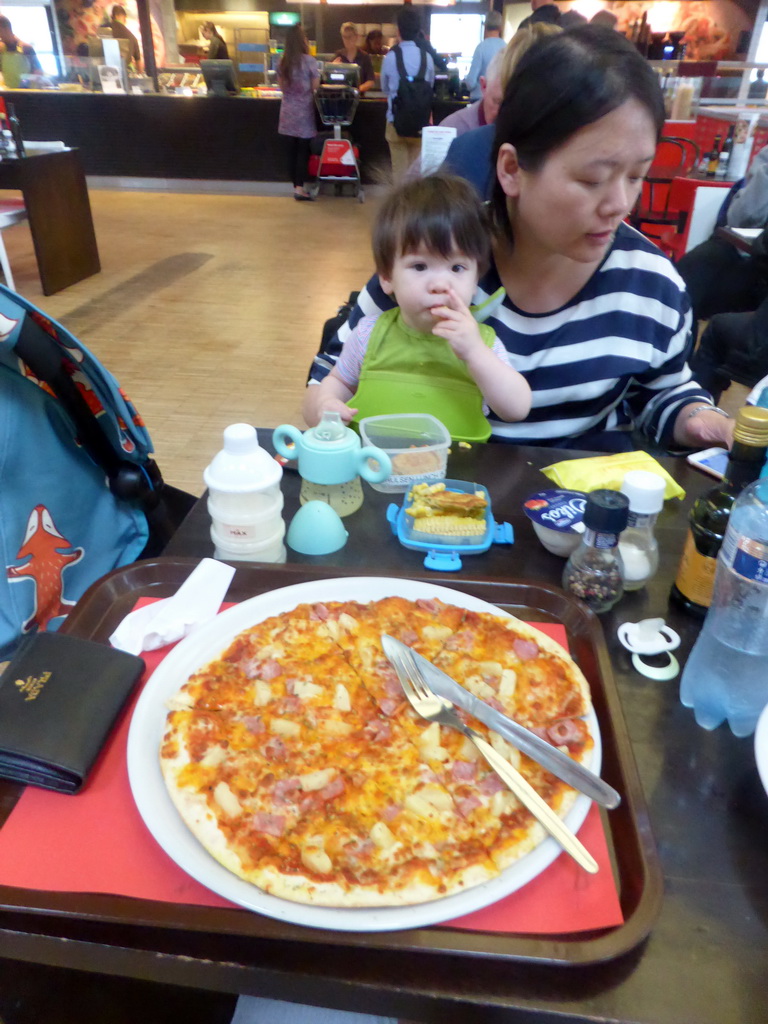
298, 78
594, 316
217, 50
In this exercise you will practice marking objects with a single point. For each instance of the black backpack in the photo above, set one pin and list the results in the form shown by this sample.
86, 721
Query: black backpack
412, 106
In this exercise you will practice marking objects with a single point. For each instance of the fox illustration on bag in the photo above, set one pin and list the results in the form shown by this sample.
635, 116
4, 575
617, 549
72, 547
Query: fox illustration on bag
80, 494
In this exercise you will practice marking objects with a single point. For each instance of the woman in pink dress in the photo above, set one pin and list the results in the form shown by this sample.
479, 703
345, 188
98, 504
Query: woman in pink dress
298, 78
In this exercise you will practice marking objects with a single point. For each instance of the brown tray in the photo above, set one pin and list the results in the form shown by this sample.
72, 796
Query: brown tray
633, 854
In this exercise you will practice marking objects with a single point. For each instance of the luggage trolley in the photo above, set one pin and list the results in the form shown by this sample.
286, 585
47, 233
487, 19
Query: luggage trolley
337, 98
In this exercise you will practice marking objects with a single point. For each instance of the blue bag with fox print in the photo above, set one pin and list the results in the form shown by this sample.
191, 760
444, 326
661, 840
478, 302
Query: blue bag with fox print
76, 477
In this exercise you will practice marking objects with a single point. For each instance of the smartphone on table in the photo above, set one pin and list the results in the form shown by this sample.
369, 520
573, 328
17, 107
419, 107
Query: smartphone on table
712, 460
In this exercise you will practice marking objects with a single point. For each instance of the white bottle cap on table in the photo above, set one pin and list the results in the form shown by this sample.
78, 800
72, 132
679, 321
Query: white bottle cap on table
242, 465
645, 491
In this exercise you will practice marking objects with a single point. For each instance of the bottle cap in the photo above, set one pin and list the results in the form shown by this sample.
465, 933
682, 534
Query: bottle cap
606, 511
242, 465
645, 491
751, 426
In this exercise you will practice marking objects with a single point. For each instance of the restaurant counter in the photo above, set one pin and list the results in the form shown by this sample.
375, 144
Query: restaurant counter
207, 137
702, 820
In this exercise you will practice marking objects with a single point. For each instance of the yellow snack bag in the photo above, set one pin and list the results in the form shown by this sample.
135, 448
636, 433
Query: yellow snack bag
592, 472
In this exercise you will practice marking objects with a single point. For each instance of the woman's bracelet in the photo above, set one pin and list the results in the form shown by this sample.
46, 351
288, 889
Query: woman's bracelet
708, 408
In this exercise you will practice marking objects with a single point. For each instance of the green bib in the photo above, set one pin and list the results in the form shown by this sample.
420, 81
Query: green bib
407, 371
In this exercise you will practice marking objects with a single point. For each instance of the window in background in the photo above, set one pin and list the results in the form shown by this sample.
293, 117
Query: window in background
456, 33
32, 26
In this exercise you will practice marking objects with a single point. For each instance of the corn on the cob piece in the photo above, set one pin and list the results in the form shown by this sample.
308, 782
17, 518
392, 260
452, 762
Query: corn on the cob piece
453, 526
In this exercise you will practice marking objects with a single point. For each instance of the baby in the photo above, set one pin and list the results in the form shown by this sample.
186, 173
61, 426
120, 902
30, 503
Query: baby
431, 243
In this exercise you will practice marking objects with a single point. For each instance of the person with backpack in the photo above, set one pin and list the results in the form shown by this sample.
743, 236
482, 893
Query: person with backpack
407, 77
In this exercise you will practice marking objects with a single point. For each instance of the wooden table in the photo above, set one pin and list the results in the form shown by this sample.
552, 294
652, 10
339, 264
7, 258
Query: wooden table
704, 961
56, 197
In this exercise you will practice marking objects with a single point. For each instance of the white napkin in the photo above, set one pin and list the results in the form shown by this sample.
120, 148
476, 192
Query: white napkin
196, 602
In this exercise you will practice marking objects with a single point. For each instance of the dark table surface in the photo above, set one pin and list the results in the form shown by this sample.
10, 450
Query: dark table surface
704, 961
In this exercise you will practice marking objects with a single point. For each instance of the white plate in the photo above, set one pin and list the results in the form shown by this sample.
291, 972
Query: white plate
761, 747
163, 820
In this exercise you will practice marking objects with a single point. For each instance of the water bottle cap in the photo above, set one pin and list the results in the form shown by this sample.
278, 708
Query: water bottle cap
242, 465
606, 511
645, 491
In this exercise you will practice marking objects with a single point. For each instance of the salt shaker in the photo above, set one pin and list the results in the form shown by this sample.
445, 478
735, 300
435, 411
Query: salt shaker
637, 544
245, 501
594, 570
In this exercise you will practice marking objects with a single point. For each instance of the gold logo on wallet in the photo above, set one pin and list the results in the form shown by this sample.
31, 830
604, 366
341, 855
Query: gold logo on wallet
32, 687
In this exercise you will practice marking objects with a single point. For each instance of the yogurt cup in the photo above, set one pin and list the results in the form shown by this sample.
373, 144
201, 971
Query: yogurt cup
556, 515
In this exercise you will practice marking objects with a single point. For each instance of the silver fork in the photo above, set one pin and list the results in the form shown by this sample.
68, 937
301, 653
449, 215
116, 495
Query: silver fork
438, 709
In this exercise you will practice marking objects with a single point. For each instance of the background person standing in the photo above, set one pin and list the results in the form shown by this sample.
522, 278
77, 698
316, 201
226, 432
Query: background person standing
484, 54
217, 49
350, 53
298, 78
403, 149
121, 31
16, 58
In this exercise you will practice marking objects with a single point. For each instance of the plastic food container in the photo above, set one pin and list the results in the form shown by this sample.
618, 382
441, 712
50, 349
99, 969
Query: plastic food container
444, 551
557, 517
417, 444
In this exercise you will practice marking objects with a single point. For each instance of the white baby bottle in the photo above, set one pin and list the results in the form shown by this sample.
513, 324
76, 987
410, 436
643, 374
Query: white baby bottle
244, 499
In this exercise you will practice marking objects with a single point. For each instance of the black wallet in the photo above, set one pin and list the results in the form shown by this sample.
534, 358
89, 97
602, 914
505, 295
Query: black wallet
59, 698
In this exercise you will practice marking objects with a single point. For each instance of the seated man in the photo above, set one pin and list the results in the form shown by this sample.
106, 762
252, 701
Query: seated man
734, 346
719, 278
484, 110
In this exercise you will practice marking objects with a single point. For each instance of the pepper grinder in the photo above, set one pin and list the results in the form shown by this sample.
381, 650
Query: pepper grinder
594, 571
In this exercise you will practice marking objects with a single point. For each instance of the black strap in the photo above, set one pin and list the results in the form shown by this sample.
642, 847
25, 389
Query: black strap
401, 65
45, 359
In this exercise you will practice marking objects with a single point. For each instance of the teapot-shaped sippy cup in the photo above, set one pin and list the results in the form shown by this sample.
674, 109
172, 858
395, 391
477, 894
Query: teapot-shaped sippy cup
331, 462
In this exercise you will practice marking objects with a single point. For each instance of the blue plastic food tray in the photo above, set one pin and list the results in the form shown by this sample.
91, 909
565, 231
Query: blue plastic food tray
444, 553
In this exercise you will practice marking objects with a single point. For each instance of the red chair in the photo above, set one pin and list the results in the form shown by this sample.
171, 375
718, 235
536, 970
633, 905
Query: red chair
654, 214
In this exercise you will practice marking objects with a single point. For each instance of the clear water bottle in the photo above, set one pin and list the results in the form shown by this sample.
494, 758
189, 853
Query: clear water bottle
727, 672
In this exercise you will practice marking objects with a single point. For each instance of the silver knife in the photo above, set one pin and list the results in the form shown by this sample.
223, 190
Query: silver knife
549, 757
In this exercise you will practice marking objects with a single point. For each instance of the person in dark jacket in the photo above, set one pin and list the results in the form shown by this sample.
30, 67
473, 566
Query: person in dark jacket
121, 31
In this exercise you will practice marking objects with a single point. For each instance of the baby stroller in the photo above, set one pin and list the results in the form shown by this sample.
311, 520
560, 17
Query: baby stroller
333, 155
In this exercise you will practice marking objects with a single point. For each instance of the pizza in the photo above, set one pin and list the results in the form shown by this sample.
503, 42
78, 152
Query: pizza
296, 761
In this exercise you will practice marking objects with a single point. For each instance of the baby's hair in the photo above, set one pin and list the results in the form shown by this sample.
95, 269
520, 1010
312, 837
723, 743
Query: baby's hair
441, 212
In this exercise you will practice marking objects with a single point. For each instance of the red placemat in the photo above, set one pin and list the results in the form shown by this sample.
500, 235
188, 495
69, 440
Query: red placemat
97, 842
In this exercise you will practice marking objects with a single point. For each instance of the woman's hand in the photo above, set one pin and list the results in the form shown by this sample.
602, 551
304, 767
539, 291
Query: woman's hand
705, 428
456, 324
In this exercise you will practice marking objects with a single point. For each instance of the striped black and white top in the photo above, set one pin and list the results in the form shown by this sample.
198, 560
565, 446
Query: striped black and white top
611, 359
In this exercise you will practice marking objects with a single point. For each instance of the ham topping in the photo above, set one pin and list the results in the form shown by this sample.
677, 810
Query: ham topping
285, 790
566, 731
269, 824
467, 804
526, 650
491, 784
254, 724
378, 731
269, 669
464, 771
275, 749
429, 604
332, 790
319, 611
391, 812
390, 707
